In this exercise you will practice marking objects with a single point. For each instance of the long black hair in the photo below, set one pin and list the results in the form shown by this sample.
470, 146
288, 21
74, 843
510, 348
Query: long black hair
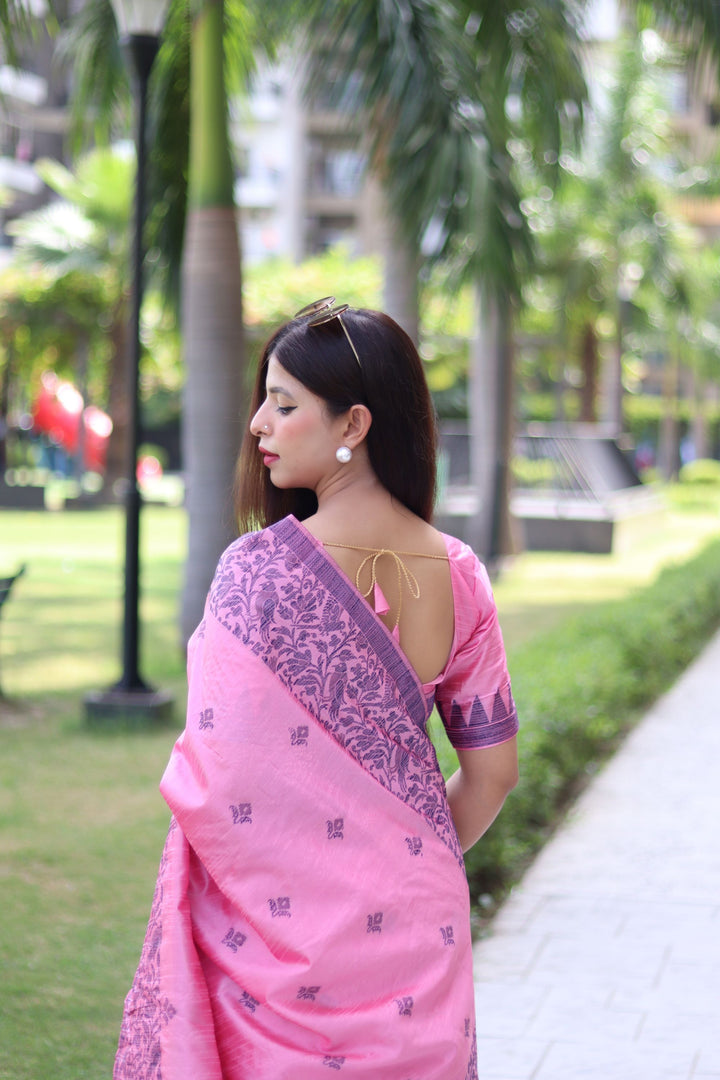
389, 380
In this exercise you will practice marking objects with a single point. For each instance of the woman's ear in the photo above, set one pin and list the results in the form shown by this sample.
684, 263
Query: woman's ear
357, 424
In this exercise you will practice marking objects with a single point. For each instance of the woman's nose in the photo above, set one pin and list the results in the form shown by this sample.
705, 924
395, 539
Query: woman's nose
257, 426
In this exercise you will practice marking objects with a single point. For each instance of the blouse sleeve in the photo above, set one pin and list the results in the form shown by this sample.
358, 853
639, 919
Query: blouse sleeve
474, 698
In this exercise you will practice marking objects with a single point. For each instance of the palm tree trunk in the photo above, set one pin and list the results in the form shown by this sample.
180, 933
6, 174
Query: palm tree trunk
669, 448
400, 286
484, 419
211, 321
492, 533
699, 424
401, 259
613, 378
589, 367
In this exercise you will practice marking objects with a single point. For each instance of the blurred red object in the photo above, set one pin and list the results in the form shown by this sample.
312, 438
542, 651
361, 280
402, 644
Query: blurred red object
148, 469
57, 412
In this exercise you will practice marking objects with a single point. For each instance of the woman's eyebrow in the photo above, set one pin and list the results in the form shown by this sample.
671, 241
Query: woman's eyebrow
279, 390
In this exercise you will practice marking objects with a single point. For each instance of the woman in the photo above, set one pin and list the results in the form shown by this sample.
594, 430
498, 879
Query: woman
311, 913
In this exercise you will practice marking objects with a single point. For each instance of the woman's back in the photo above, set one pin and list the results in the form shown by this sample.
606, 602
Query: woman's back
412, 576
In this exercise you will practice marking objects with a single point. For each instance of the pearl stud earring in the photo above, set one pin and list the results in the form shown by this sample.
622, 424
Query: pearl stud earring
343, 454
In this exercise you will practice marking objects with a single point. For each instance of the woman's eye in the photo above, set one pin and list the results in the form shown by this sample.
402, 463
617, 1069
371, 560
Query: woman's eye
285, 410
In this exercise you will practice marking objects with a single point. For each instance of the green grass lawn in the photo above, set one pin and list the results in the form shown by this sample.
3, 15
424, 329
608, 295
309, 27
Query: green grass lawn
539, 589
81, 820
61, 629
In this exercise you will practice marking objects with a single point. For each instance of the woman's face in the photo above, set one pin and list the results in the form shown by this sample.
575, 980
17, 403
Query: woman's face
297, 436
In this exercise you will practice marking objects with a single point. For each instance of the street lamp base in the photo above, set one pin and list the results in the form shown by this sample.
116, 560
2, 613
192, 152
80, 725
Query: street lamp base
121, 708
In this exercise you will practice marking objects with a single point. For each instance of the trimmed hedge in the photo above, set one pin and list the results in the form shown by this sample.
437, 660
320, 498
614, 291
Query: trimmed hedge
578, 690
703, 471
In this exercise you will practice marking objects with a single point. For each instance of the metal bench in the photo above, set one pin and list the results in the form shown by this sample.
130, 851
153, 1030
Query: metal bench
6, 584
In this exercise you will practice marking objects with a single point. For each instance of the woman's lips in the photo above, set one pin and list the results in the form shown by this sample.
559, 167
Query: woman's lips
268, 458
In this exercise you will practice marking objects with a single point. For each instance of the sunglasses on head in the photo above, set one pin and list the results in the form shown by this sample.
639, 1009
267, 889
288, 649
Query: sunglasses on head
324, 311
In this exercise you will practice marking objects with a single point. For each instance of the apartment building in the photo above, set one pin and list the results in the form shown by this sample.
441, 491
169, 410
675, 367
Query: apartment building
302, 184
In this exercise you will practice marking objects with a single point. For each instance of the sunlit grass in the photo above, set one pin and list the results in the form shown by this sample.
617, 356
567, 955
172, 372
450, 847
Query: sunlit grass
537, 590
61, 628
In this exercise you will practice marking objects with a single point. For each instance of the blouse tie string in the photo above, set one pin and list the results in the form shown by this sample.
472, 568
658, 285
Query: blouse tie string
404, 574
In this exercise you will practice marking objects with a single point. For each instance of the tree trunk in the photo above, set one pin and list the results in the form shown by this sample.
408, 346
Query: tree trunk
669, 448
211, 321
400, 286
699, 424
612, 378
5, 404
491, 532
504, 540
401, 258
589, 367
483, 417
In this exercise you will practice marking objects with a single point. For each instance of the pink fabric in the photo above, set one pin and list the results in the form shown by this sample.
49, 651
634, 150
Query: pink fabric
311, 913
473, 694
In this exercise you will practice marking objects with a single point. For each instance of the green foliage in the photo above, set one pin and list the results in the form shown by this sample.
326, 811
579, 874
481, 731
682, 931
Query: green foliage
615, 254
703, 471
276, 288
533, 472
578, 690
67, 287
43, 321
87, 229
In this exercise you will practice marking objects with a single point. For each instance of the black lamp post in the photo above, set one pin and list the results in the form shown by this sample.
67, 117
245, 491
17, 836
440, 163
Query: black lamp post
139, 23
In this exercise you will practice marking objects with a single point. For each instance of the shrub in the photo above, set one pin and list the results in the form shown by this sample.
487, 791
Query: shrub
578, 690
702, 471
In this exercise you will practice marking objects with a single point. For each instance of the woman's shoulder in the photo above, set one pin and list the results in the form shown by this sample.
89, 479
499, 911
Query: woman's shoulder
250, 546
468, 567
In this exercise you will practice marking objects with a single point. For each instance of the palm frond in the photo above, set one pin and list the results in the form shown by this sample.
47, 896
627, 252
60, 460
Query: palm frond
88, 45
169, 139
248, 33
100, 187
18, 24
406, 66
696, 20
60, 238
433, 80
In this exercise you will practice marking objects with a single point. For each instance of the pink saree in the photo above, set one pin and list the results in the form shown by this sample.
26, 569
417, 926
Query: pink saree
311, 913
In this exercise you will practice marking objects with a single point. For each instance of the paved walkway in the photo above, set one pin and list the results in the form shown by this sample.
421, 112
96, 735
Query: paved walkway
604, 964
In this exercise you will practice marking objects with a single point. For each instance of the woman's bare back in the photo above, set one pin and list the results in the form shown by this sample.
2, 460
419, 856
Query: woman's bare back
415, 580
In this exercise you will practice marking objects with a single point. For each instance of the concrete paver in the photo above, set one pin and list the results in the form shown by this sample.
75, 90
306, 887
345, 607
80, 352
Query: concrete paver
604, 963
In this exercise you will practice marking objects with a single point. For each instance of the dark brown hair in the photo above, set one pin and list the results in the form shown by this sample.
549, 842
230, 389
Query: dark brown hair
402, 439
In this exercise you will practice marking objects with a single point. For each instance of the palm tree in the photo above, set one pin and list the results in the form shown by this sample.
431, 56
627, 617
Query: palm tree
611, 238
211, 319
438, 92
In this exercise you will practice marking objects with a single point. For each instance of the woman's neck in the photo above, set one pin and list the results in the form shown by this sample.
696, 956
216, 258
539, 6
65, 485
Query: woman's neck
356, 506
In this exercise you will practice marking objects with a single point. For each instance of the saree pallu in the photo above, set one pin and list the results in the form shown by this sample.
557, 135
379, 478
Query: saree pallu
311, 913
